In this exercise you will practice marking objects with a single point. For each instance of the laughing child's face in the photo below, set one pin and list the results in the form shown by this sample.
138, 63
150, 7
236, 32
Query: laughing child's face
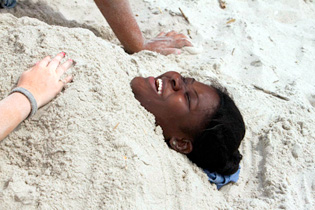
180, 105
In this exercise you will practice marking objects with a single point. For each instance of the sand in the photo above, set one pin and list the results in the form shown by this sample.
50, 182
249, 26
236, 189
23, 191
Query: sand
95, 147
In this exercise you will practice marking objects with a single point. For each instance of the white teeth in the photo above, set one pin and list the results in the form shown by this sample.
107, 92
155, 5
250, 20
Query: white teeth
160, 86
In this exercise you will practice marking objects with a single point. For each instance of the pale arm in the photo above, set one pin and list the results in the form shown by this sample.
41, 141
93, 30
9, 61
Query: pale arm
43, 81
14, 109
122, 21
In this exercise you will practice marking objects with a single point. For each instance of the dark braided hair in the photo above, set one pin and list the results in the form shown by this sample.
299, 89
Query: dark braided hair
216, 148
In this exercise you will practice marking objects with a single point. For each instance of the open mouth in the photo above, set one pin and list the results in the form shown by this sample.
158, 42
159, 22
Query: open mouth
159, 86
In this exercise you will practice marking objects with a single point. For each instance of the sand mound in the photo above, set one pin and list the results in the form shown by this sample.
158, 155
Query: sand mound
94, 146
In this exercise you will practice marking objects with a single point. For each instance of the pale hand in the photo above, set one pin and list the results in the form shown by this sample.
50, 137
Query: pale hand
43, 79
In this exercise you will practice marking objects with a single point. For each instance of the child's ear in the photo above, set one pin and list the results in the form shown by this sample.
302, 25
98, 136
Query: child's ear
183, 146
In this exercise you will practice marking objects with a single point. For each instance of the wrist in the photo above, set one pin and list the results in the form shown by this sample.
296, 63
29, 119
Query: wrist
27, 100
23, 104
134, 47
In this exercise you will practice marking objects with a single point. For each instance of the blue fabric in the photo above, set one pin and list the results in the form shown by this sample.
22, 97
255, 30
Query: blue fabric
8, 3
221, 180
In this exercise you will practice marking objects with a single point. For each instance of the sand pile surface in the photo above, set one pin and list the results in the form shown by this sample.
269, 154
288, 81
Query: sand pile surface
94, 146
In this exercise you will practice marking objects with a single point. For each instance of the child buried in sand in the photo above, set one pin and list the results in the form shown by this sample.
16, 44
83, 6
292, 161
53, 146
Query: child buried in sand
197, 120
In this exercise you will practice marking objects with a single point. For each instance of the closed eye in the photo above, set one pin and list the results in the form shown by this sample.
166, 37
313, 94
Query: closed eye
190, 80
184, 80
187, 98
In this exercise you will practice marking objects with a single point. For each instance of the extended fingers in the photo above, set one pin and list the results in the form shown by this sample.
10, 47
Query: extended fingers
56, 61
178, 40
161, 34
171, 33
44, 62
179, 36
64, 67
179, 43
66, 80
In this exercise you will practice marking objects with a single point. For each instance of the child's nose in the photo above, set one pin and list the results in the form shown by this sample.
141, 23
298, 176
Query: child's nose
176, 82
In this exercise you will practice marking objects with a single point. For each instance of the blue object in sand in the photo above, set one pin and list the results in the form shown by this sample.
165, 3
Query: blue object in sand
221, 180
7, 3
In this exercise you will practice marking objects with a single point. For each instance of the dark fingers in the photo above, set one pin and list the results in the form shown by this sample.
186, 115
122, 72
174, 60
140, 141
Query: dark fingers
161, 34
180, 36
182, 43
171, 33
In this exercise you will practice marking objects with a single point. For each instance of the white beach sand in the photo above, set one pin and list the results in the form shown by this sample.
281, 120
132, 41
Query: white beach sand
95, 147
